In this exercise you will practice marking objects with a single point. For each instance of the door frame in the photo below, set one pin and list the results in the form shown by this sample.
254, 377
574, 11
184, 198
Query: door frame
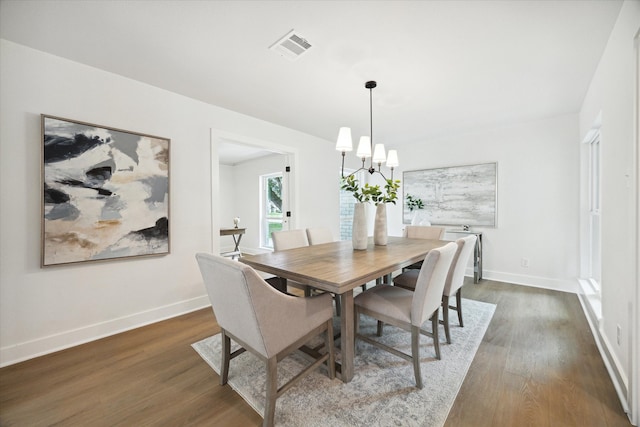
289, 179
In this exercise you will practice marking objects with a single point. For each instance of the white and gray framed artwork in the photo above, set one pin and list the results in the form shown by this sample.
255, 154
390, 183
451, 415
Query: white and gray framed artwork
105, 193
456, 195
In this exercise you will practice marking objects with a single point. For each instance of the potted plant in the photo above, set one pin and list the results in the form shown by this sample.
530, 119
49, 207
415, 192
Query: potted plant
414, 203
365, 194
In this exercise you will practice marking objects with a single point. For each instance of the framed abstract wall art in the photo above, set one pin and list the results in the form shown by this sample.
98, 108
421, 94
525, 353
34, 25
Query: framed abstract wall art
457, 195
105, 193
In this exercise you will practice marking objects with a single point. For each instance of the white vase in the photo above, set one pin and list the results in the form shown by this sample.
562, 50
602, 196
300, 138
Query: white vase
380, 226
420, 218
359, 236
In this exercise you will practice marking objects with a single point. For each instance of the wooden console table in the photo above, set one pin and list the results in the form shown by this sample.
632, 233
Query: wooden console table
236, 233
477, 253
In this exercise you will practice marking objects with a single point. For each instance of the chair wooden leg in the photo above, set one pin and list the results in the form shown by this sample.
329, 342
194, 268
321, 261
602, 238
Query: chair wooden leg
415, 354
226, 356
459, 306
272, 392
380, 327
434, 330
336, 297
445, 317
331, 363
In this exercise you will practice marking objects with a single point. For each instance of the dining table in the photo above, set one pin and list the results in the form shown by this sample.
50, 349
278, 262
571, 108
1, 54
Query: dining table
337, 268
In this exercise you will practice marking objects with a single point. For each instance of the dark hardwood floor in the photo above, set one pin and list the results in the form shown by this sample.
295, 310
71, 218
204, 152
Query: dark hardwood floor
538, 365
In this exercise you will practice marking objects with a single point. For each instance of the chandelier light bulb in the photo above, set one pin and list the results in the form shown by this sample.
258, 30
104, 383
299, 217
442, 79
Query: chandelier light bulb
392, 159
344, 140
379, 155
364, 147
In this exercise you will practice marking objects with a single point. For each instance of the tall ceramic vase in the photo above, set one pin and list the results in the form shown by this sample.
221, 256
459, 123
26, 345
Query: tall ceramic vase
359, 236
380, 226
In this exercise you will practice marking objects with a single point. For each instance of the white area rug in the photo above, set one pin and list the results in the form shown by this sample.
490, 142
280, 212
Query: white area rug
382, 392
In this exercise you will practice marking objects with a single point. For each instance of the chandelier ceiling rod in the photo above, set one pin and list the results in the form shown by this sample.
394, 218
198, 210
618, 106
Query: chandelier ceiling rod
371, 85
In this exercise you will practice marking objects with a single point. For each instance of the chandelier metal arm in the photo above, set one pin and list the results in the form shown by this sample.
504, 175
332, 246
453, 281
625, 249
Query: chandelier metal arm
370, 170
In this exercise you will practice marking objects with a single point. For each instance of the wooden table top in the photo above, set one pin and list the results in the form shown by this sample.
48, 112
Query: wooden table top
230, 231
336, 267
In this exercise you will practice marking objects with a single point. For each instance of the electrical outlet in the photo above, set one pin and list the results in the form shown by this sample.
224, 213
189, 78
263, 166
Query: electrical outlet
524, 262
619, 333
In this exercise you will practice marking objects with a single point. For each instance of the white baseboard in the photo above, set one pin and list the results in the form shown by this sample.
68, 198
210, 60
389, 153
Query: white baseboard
50, 344
563, 285
592, 311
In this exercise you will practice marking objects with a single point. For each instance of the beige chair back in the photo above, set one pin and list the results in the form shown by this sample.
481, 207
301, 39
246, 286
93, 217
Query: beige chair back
233, 288
289, 239
319, 235
455, 277
424, 232
427, 296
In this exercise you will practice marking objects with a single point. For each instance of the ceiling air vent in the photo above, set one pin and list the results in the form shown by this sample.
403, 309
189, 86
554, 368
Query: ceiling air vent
291, 46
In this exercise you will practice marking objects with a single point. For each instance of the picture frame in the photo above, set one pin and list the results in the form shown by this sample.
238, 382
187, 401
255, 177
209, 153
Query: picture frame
464, 195
104, 193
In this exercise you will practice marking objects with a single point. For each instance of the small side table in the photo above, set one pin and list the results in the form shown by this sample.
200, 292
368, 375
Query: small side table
236, 233
477, 253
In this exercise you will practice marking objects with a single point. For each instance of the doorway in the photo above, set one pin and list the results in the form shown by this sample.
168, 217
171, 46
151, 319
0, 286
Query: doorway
238, 188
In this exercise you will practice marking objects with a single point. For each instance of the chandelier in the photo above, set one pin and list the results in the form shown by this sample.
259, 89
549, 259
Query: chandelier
365, 146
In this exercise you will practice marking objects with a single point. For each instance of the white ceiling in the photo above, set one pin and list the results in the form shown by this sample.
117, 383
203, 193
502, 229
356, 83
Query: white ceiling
232, 153
442, 67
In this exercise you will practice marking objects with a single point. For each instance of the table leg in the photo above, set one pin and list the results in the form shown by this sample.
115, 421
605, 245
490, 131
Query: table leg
479, 257
237, 241
477, 260
347, 335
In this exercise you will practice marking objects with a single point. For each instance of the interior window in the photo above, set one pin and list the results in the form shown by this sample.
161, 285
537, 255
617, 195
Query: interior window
594, 212
271, 207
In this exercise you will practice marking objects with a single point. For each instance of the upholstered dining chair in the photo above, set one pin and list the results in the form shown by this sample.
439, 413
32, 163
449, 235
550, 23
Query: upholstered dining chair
319, 235
283, 240
422, 232
289, 239
266, 322
453, 284
409, 310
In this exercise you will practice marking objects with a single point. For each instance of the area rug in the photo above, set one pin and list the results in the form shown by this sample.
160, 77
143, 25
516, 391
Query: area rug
382, 392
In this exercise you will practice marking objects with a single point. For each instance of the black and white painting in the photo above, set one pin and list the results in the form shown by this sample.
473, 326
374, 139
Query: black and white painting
457, 195
105, 193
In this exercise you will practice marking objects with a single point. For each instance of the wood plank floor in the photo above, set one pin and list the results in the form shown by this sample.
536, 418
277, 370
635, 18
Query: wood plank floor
538, 365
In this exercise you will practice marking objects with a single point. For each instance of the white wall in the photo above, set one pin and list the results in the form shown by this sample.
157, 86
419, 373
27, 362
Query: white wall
611, 94
226, 206
42, 310
537, 196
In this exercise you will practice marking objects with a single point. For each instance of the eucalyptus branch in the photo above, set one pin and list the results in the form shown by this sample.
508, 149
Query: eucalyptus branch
372, 193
